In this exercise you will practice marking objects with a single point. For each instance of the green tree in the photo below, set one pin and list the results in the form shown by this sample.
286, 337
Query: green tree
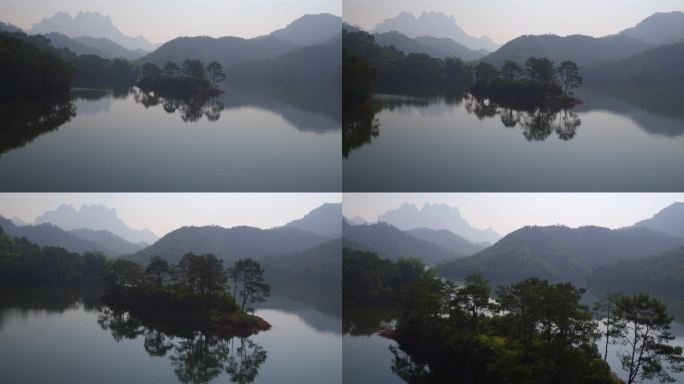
171, 69
540, 70
157, 271
511, 70
568, 72
473, 297
457, 73
605, 310
201, 274
215, 72
151, 70
248, 282
643, 326
124, 274
485, 72
194, 68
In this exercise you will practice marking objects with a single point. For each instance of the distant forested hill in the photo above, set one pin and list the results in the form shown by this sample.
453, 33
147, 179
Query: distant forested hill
229, 244
658, 273
560, 253
321, 263
432, 46
582, 50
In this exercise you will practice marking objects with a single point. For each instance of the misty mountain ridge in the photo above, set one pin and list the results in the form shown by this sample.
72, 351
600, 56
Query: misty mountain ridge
660, 28
435, 47
91, 24
390, 242
49, 235
434, 24
437, 216
579, 48
95, 217
323, 221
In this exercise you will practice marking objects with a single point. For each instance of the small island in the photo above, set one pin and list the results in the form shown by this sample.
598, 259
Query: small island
193, 295
537, 83
192, 78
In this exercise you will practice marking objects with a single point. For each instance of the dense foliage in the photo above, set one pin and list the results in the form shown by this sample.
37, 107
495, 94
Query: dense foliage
190, 78
367, 279
397, 71
23, 263
29, 67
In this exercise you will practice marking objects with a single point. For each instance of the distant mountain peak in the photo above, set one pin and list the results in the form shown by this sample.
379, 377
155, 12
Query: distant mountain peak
95, 217
659, 28
435, 24
437, 216
310, 29
90, 24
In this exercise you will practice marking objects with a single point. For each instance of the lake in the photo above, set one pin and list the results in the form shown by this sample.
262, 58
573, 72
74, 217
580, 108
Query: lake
134, 141
418, 143
369, 357
56, 336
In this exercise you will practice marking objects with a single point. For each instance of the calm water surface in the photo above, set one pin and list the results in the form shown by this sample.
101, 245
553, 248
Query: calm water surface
47, 338
461, 144
132, 141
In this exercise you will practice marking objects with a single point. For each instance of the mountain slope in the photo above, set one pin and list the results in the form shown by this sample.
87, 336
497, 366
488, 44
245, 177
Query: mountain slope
325, 221
310, 29
115, 245
391, 243
95, 217
50, 235
655, 68
447, 240
229, 244
59, 40
110, 49
669, 220
90, 24
437, 216
560, 253
451, 48
582, 50
659, 28
321, 263
436, 25
7, 27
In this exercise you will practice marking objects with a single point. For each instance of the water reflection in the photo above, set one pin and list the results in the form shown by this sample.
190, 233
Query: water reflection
361, 126
23, 121
196, 356
191, 108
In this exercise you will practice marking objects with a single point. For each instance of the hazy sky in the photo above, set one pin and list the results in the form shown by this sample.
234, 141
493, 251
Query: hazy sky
162, 20
504, 20
164, 212
506, 212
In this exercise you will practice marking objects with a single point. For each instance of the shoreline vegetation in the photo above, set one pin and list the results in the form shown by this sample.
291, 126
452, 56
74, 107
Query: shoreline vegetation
529, 331
197, 294
30, 68
368, 67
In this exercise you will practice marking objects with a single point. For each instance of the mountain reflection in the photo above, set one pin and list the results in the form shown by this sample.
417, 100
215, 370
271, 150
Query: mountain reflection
196, 356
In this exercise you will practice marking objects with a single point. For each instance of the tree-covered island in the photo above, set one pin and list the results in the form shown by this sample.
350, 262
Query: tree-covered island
192, 77
194, 294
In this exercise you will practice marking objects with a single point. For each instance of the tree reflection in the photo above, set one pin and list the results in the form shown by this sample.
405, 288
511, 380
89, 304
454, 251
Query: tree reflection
536, 124
197, 356
359, 127
191, 108
23, 121
404, 366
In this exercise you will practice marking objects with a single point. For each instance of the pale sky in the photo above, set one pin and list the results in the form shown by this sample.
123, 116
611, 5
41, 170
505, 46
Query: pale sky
504, 20
506, 212
164, 212
163, 20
